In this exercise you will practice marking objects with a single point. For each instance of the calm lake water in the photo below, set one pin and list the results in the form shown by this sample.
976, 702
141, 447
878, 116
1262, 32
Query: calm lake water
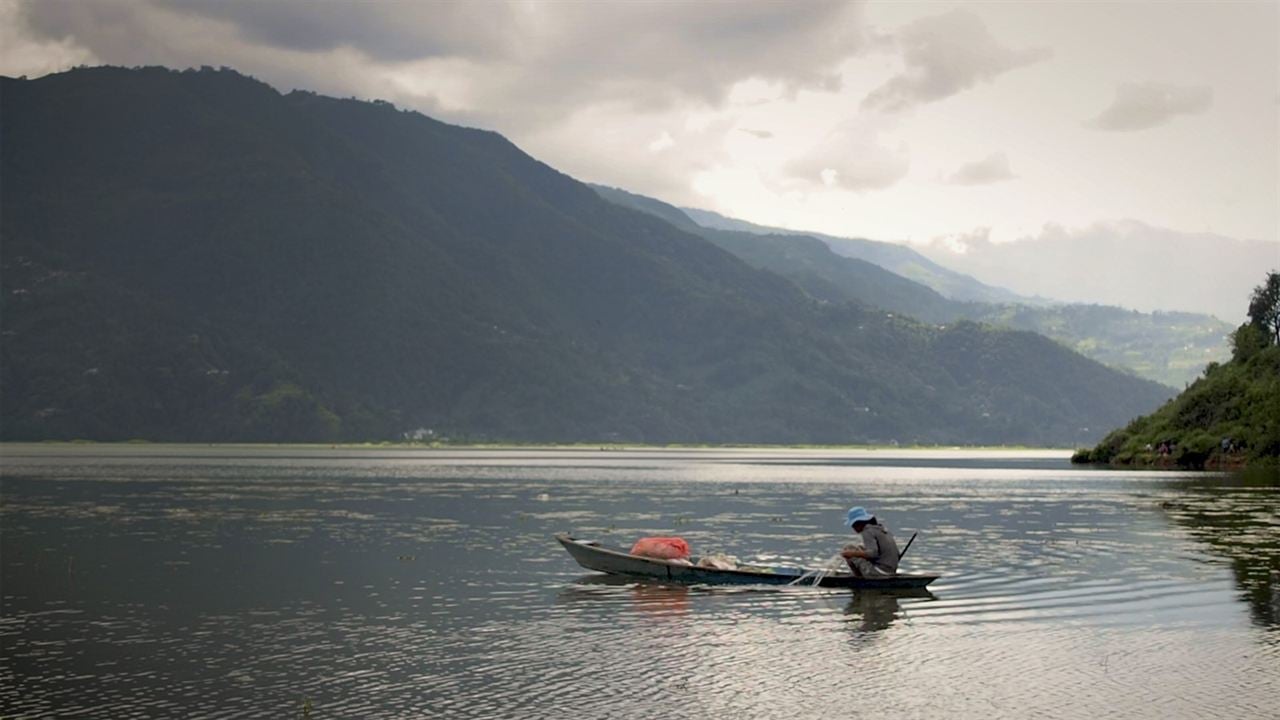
203, 582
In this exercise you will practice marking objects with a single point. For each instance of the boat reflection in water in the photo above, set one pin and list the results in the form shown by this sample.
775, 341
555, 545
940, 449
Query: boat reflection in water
866, 611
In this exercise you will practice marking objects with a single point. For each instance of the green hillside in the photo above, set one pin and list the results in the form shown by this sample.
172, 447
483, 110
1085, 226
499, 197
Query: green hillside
1167, 347
899, 259
1236, 401
1227, 418
194, 256
1172, 348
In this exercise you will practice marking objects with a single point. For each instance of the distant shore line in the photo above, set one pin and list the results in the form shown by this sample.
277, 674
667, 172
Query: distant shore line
504, 445
1227, 463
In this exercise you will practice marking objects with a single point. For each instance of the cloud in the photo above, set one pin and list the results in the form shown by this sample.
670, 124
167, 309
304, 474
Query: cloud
662, 142
535, 61
856, 156
657, 155
1126, 262
395, 32
588, 86
23, 53
1139, 106
992, 169
944, 55
762, 134
977, 241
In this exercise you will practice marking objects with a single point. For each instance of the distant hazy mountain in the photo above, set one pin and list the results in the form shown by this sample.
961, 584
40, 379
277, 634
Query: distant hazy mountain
808, 262
1171, 348
194, 256
1123, 263
899, 259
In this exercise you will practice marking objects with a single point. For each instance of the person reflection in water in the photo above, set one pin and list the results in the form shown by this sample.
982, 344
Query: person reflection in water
877, 557
873, 610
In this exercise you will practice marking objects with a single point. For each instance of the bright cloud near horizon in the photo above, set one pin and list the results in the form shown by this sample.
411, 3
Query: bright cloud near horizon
910, 122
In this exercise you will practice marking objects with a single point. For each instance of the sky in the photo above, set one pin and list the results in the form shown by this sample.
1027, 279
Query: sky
931, 123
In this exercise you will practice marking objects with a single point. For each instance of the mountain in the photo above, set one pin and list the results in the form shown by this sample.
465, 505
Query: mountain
898, 259
809, 263
195, 256
1167, 347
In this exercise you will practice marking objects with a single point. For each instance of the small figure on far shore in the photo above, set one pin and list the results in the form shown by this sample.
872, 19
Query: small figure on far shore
878, 555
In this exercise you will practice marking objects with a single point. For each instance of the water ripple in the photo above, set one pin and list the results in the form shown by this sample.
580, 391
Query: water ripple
141, 583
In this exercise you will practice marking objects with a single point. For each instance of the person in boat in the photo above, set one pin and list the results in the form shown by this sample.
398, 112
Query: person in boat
877, 557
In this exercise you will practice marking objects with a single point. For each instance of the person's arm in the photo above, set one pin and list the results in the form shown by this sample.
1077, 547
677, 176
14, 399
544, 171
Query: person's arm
871, 549
852, 551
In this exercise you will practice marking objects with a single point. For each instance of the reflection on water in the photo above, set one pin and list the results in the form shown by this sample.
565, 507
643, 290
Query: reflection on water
1238, 517
866, 610
874, 610
225, 582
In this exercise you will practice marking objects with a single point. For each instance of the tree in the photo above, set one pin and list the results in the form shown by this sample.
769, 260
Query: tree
1264, 308
1248, 340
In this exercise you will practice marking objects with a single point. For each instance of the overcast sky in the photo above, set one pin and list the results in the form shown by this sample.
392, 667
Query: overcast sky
920, 121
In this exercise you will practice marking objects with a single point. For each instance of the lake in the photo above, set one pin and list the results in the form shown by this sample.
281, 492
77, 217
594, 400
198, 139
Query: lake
147, 581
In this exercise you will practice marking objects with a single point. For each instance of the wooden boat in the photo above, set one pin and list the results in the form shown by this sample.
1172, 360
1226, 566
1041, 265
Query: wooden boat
594, 556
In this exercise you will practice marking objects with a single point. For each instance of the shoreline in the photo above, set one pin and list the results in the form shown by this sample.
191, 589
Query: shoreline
1214, 464
498, 446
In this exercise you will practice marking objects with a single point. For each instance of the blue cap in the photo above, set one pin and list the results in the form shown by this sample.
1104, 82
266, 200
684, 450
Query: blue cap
857, 514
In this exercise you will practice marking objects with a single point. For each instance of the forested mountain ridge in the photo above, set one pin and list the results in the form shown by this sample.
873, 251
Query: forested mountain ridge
195, 256
898, 259
809, 263
1171, 348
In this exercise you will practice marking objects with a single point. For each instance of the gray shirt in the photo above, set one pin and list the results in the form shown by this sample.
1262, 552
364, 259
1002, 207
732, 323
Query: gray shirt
881, 550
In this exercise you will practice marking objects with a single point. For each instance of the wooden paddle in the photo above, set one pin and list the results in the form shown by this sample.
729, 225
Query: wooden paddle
908, 547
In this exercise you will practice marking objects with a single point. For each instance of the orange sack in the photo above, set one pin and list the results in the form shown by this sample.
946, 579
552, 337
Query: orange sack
663, 548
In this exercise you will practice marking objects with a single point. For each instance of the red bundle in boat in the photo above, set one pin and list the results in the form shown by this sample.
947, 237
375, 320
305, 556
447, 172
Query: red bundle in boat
663, 548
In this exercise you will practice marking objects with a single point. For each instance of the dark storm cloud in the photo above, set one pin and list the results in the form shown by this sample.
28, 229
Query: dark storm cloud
537, 61
393, 32
547, 74
383, 32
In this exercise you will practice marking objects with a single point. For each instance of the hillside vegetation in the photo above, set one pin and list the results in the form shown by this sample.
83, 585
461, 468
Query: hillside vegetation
195, 256
1172, 348
1229, 417
1168, 347
899, 259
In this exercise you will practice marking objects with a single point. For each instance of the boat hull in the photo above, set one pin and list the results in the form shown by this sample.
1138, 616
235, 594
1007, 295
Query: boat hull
594, 556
